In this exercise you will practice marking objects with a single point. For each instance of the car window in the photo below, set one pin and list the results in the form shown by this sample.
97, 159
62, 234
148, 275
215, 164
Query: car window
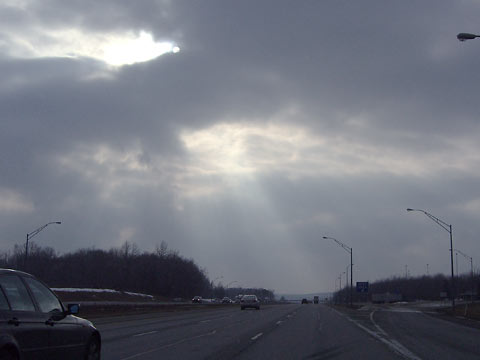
3, 301
46, 300
16, 293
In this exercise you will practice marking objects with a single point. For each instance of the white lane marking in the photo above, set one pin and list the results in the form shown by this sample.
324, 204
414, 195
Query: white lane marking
169, 345
392, 343
404, 310
146, 333
279, 322
217, 318
376, 325
256, 336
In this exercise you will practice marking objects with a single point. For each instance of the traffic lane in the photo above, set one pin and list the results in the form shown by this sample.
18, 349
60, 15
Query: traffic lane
129, 335
429, 337
114, 328
192, 337
183, 339
317, 332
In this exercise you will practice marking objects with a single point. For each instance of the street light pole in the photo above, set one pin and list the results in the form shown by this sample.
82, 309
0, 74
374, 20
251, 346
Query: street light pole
471, 268
448, 228
349, 250
31, 235
346, 276
456, 263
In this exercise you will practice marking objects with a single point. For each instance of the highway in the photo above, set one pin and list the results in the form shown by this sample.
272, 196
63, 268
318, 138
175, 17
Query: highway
287, 332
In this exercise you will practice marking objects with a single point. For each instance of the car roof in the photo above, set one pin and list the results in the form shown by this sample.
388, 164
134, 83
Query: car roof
12, 271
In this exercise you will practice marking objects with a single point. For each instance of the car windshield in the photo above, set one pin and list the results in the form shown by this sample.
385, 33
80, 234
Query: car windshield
315, 163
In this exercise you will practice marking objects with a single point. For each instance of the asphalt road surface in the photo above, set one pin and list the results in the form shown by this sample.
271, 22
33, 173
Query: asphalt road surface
287, 332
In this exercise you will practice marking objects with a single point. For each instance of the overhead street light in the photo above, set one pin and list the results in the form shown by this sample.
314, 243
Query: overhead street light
349, 250
218, 277
471, 267
346, 276
466, 36
448, 228
340, 279
230, 283
31, 235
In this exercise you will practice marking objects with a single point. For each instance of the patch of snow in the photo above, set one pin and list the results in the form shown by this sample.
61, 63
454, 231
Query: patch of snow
85, 290
138, 294
100, 291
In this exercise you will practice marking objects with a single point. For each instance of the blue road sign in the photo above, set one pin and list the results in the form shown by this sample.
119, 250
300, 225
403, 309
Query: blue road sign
362, 286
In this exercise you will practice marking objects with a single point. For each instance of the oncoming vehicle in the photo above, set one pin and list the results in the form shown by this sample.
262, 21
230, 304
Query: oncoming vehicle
304, 301
35, 324
197, 299
249, 301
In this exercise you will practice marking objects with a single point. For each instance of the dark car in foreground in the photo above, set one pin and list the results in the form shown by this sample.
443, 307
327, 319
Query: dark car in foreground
249, 301
36, 325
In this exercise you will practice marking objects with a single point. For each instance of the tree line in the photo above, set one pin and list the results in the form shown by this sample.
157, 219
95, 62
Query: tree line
162, 272
435, 287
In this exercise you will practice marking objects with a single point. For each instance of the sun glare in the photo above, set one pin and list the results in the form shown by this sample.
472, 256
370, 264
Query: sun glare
143, 48
115, 49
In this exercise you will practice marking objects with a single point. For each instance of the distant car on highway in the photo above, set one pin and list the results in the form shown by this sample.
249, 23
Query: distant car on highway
197, 299
304, 301
315, 299
226, 300
249, 301
36, 325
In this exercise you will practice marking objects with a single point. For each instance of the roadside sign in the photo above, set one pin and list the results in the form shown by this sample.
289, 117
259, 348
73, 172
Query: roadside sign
362, 286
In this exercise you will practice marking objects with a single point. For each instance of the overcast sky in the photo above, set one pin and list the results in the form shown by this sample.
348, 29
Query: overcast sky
242, 132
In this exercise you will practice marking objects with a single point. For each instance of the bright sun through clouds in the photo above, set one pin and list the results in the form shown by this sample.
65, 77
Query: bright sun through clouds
133, 50
235, 149
115, 49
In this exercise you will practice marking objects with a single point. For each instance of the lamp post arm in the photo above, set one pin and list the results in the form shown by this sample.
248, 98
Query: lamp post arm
441, 223
35, 232
464, 255
32, 234
347, 248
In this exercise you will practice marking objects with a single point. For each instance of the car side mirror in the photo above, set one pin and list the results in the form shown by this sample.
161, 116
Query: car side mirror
57, 315
73, 309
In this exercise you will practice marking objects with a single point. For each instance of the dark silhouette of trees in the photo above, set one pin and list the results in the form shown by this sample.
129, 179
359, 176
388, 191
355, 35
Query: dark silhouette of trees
418, 288
162, 273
